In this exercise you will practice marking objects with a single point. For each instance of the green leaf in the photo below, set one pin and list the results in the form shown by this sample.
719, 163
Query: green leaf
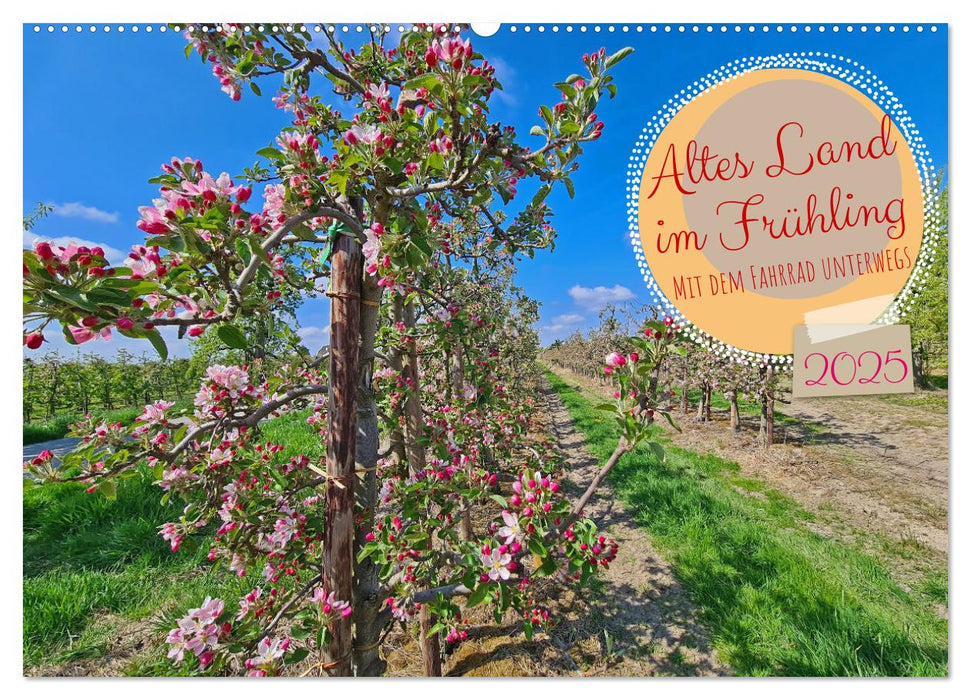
479, 594
243, 249
339, 180
537, 548
270, 153
473, 80
436, 161
427, 81
108, 489
232, 336
670, 420
298, 656
105, 296
657, 450
548, 567
420, 242
606, 407
569, 186
536, 130
528, 629
619, 56
255, 88
155, 338
71, 296
366, 551
541, 194
547, 114
174, 243
414, 257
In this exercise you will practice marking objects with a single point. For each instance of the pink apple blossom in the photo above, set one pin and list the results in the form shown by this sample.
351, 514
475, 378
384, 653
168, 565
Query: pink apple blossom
511, 530
497, 565
615, 359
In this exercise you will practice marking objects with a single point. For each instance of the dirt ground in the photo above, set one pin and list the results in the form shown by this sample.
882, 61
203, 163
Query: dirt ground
642, 606
863, 465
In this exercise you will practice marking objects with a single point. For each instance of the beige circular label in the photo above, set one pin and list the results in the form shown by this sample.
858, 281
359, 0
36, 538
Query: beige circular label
780, 198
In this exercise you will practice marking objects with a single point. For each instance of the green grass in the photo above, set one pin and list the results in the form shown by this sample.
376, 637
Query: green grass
777, 598
938, 381
57, 427
932, 401
90, 563
91, 566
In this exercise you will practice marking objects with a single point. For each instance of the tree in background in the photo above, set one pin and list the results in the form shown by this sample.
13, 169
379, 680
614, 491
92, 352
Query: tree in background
928, 313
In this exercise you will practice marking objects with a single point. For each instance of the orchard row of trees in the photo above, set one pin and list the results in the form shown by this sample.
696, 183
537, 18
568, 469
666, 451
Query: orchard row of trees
692, 377
56, 383
396, 192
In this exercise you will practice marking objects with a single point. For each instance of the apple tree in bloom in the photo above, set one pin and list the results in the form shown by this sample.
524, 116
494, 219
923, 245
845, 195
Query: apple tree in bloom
398, 194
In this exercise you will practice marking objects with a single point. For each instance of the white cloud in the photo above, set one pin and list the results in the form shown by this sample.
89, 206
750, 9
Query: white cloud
506, 75
595, 298
113, 255
76, 210
564, 320
560, 326
314, 334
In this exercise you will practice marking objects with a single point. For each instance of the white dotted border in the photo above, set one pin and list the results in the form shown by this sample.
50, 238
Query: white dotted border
846, 70
569, 28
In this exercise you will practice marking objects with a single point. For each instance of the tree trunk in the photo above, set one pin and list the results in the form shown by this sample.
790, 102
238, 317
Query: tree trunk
345, 337
397, 362
767, 414
457, 376
368, 625
702, 416
414, 425
733, 401
684, 390
770, 414
921, 364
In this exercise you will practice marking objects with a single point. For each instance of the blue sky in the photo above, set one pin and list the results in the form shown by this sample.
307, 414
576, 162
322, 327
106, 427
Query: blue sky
102, 111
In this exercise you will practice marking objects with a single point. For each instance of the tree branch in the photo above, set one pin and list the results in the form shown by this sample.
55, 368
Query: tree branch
622, 449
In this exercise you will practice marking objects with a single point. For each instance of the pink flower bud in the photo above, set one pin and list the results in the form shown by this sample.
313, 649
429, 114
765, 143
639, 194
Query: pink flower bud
34, 340
43, 249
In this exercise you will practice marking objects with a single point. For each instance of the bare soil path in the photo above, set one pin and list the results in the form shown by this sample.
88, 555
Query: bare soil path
641, 605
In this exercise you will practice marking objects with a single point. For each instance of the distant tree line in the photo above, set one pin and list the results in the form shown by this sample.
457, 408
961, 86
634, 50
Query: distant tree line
57, 383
